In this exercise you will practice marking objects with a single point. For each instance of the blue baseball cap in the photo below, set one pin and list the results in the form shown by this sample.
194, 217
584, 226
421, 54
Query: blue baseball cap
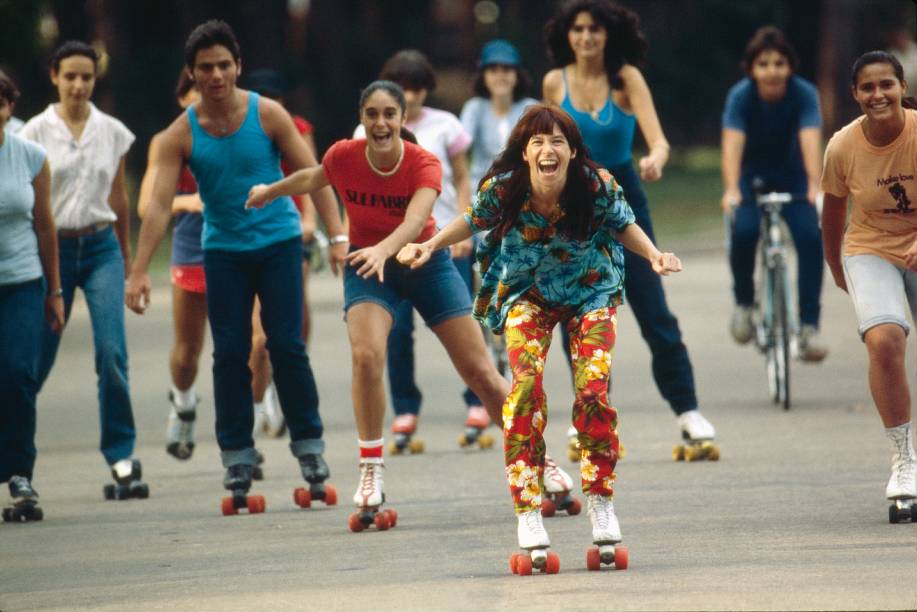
499, 51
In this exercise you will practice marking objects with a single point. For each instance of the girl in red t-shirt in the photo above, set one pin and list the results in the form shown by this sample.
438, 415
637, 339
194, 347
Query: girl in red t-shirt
388, 187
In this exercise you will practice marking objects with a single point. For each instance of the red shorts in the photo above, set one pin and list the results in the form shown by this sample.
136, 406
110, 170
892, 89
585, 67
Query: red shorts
189, 278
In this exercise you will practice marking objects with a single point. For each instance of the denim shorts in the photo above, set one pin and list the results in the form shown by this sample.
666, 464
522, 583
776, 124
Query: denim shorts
436, 289
881, 291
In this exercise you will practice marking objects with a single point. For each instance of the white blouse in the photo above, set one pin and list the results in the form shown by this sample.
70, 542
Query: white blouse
82, 171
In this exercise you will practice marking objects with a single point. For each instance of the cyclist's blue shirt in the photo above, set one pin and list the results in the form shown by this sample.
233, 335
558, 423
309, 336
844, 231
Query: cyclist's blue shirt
772, 149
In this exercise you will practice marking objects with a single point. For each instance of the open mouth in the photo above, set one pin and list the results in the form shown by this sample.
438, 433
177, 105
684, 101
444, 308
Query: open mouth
382, 139
877, 106
548, 167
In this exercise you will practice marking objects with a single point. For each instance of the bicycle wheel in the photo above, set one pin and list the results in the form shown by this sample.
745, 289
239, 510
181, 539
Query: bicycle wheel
778, 351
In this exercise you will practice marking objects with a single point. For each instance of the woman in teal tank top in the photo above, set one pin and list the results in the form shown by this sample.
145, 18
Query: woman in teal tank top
596, 47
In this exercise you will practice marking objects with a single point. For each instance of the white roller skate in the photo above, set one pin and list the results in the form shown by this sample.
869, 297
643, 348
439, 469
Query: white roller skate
557, 487
902, 485
370, 497
534, 539
180, 430
606, 533
128, 475
697, 435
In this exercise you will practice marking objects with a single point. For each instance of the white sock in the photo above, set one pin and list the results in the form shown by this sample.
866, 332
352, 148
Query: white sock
184, 400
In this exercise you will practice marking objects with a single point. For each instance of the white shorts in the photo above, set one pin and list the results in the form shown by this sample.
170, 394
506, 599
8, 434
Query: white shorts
879, 290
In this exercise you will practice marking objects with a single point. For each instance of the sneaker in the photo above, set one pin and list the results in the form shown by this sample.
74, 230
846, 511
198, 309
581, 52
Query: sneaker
605, 527
275, 424
810, 347
531, 531
369, 491
741, 326
555, 479
695, 427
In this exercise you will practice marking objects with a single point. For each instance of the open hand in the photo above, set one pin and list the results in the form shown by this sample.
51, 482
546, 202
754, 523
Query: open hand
368, 262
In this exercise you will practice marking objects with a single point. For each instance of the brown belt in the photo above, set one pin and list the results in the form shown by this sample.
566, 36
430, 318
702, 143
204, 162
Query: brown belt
83, 231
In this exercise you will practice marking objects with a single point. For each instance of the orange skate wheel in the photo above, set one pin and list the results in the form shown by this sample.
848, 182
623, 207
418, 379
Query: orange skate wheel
331, 495
392, 517
621, 558
256, 504
302, 497
593, 559
512, 563
553, 564
227, 507
575, 507
381, 521
523, 565
547, 507
355, 524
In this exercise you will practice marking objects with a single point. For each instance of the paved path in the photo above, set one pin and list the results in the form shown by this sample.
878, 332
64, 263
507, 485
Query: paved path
793, 516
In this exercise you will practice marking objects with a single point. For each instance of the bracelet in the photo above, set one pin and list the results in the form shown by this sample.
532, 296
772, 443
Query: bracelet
338, 239
56, 293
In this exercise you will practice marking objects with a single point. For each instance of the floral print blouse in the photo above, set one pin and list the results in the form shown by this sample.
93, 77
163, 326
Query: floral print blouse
534, 260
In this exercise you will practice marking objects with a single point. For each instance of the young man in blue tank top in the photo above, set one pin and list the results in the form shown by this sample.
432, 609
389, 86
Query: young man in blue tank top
233, 140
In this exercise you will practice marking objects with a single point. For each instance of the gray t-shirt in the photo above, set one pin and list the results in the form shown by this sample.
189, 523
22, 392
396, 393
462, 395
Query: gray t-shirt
20, 163
488, 132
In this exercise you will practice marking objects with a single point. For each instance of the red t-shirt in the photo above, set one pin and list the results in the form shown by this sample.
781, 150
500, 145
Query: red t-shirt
375, 203
303, 127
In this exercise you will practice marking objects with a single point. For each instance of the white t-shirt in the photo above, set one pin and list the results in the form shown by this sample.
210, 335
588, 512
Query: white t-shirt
82, 171
441, 133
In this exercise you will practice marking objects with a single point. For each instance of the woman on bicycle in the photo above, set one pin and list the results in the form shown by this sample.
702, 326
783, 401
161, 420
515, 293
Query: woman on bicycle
553, 255
772, 133
597, 46
873, 161
388, 187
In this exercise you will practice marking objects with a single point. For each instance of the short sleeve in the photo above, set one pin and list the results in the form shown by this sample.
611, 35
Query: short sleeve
734, 111
484, 212
428, 172
359, 132
331, 161
809, 112
470, 116
123, 138
29, 131
617, 212
834, 176
457, 137
36, 156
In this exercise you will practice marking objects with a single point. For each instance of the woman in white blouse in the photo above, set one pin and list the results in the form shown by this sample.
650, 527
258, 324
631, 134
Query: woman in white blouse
86, 150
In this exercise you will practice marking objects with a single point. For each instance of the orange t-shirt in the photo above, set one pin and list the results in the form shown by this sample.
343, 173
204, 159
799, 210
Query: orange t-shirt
375, 203
883, 184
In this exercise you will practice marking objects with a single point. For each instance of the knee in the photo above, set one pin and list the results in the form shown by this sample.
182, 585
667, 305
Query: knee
186, 354
885, 344
745, 235
367, 362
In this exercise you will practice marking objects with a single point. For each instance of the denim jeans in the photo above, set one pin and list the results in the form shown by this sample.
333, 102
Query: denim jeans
21, 321
234, 278
802, 220
94, 263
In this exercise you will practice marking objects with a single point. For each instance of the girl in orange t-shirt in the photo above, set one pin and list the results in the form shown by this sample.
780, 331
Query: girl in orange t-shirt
874, 161
388, 187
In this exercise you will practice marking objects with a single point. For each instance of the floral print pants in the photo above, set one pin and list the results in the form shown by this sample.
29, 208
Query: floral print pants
528, 336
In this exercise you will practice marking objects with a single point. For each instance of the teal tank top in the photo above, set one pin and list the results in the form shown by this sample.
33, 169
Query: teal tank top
609, 136
226, 168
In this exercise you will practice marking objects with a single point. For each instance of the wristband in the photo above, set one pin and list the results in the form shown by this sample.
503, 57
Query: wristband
56, 293
338, 239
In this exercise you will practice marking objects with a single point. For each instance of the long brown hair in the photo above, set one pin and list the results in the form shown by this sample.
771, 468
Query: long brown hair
579, 192
881, 57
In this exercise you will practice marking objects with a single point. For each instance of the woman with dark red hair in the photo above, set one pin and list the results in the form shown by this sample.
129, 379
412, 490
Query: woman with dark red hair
553, 254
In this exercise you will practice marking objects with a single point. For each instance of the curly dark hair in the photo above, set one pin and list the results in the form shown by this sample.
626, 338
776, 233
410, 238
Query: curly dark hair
625, 44
578, 196
210, 34
8, 89
523, 82
71, 48
768, 38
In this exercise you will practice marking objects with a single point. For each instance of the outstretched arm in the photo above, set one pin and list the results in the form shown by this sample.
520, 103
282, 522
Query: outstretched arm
635, 240
416, 255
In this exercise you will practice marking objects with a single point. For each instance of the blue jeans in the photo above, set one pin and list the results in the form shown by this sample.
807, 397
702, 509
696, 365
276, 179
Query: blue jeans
94, 263
802, 220
21, 321
234, 278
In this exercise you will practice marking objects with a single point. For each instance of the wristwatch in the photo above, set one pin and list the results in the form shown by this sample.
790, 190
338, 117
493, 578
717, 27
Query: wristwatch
338, 239
56, 293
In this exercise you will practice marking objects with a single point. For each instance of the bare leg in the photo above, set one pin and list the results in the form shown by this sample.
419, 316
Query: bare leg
368, 325
886, 345
189, 313
258, 362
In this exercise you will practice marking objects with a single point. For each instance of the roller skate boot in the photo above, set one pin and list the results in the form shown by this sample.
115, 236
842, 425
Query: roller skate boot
403, 428
369, 499
127, 474
314, 471
574, 450
23, 502
606, 534
557, 487
238, 480
478, 420
697, 434
902, 485
274, 424
257, 470
180, 430
534, 539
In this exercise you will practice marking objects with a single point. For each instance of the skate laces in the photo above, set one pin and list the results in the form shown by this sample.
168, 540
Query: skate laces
601, 509
532, 523
368, 477
904, 460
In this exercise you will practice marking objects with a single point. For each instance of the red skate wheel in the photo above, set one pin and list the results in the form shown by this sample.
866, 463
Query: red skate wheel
575, 507
227, 507
548, 508
593, 560
355, 524
256, 504
392, 517
512, 562
524, 565
302, 497
381, 521
620, 558
331, 495
553, 564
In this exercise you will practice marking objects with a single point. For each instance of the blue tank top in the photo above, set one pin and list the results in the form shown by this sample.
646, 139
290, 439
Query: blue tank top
609, 136
225, 169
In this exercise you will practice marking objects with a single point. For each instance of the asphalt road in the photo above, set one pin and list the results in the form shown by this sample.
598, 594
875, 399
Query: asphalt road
792, 517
